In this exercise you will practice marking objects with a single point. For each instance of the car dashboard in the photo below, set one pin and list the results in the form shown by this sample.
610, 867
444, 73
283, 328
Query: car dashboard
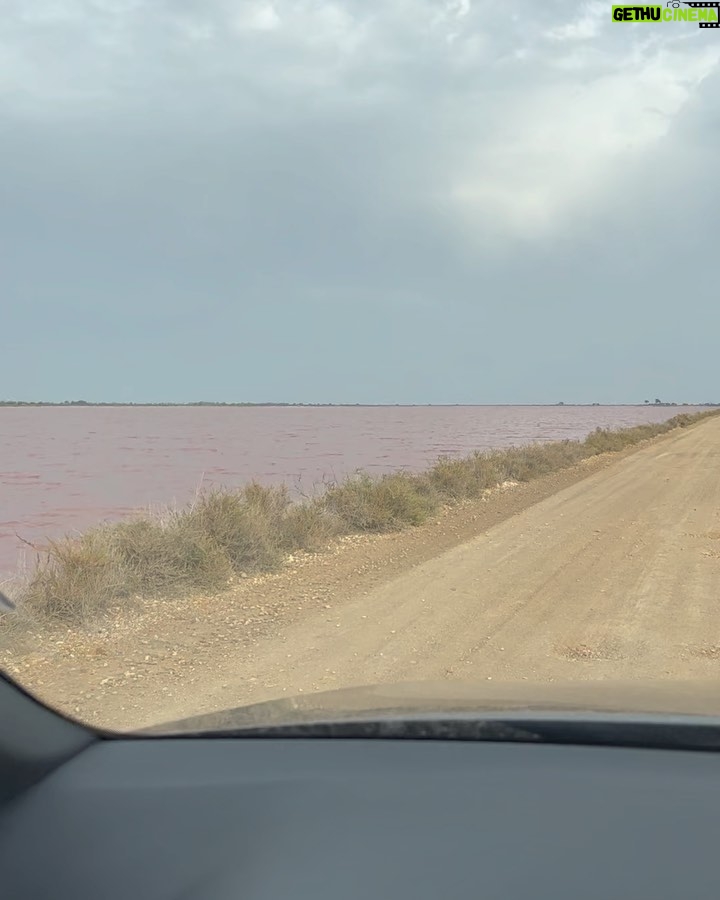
260, 818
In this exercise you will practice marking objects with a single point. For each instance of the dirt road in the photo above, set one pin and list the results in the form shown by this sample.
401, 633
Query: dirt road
613, 574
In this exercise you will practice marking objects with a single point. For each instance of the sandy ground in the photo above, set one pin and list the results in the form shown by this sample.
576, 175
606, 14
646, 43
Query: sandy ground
610, 570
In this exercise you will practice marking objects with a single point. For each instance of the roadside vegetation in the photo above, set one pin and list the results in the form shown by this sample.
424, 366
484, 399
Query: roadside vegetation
227, 534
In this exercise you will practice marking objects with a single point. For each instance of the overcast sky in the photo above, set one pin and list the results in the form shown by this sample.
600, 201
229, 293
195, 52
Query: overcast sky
364, 201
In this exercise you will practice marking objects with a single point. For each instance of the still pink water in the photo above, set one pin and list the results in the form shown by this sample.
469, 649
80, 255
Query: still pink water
62, 469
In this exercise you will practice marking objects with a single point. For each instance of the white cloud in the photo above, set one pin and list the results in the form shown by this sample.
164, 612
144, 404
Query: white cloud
564, 143
584, 27
264, 18
517, 127
246, 16
459, 8
61, 51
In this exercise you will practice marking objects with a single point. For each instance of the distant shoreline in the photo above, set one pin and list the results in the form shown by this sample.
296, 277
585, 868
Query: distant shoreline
75, 404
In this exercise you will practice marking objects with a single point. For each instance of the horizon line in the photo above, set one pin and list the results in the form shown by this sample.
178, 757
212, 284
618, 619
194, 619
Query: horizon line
270, 403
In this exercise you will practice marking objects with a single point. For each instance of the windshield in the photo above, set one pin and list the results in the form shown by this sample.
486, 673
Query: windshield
358, 344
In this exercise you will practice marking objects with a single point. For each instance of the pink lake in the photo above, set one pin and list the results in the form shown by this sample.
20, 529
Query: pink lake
64, 468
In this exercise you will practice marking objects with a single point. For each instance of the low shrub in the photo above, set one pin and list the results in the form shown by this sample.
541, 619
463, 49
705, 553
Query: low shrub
254, 528
362, 503
465, 479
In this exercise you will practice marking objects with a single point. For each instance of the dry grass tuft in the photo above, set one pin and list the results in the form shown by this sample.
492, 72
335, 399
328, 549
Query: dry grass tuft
388, 503
253, 529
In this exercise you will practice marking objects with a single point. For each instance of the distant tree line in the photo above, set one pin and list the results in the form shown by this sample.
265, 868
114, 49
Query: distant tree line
191, 403
657, 402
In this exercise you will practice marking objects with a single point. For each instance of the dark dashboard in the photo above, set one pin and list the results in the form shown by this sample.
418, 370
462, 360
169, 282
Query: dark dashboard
260, 818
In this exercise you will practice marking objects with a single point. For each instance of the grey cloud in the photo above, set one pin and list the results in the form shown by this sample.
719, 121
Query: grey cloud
353, 201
